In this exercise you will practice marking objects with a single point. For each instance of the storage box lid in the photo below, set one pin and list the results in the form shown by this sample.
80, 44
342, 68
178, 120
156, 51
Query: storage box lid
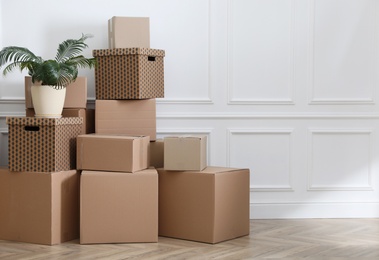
35, 121
128, 51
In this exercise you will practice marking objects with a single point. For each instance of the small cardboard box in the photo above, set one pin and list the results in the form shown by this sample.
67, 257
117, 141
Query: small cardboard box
187, 152
120, 153
157, 154
119, 207
76, 93
88, 116
208, 206
129, 32
40, 208
43, 144
129, 73
132, 117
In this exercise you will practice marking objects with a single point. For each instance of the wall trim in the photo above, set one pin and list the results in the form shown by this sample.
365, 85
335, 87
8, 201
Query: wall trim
311, 66
227, 115
258, 101
293, 210
252, 131
339, 131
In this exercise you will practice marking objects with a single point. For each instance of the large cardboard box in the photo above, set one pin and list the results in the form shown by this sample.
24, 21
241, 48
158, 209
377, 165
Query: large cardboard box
208, 206
157, 153
41, 208
120, 153
76, 93
132, 117
88, 116
119, 207
186, 152
129, 32
129, 73
43, 144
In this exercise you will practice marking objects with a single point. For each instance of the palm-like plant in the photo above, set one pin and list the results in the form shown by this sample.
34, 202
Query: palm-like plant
57, 73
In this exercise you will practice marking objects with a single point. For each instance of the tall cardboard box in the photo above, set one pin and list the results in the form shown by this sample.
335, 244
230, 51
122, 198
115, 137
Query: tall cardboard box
40, 208
207, 206
129, 73
76, 93
120, 153
43, 144
88, 116
119, 207
129, 32
186, 152
131, 117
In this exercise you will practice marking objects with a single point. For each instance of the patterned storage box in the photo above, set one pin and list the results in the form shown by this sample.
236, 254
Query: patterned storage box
129, 73
43, 144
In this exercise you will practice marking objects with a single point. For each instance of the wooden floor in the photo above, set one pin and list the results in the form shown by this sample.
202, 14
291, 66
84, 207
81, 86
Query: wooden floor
269, 239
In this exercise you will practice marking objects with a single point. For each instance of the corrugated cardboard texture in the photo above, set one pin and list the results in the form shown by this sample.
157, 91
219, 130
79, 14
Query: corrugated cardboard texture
41, 208
76, 93
43, 144
132, 117
129, 73
157, 153
187, 152
129, 32
119, 207
88, 116
208, 206
120, 153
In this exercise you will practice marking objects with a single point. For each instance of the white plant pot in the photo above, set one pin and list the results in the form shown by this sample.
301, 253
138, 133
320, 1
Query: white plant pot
47, 101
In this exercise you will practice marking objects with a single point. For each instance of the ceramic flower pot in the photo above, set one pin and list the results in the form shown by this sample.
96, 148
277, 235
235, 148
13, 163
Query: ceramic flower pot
47, 101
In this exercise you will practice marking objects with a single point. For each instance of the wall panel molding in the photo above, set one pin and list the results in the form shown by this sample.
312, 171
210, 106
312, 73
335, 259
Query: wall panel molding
289, 100
357, 156
287, 187
206, 100
373, 79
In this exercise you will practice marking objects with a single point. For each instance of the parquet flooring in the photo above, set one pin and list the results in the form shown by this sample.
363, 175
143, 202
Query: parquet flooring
269, 239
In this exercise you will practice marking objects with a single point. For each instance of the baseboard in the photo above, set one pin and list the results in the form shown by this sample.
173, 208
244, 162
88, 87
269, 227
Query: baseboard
314, 210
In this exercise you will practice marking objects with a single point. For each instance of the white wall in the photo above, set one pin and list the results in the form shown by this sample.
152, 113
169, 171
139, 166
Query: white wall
288, 88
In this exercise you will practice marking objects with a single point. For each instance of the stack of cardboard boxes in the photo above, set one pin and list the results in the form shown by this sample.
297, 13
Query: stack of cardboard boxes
133, 187
199, 202
39, 191
119, 192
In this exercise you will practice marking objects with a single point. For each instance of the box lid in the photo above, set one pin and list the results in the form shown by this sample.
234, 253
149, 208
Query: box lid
35, 121
128, 51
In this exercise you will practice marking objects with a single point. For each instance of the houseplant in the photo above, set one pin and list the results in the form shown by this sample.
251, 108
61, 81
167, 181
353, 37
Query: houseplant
49, 77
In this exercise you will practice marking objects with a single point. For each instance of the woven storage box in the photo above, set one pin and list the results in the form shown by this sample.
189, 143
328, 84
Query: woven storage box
43, 144
129, 73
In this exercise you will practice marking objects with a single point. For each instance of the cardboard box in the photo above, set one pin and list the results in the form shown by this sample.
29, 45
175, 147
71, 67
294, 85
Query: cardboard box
40, 208
208, 206
76, 93
129, 73
129, 32
132, 117
120, 153
157, 154
119, 207
88, 116
43, 144
187, 152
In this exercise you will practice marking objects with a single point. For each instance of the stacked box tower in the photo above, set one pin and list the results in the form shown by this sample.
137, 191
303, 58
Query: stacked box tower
119, 192
41, 174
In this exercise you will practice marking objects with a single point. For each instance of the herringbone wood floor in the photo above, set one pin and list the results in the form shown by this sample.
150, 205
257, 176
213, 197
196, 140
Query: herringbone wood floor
269, 239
